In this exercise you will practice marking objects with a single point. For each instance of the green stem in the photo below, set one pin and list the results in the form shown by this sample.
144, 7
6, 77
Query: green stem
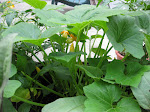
127, 54
53, 46
93, 45
100, 48
100, 45
39, 84
34, 54
74, 80
102, 59
85, 60
79, 33
29, 102
43, 50
107, 46
67, 47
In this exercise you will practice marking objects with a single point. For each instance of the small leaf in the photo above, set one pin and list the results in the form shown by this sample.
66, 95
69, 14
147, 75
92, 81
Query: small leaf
70, 104
102, 51
93, 72
142, 92
24, 107
21, 92
11, 87
9, 18
96, 36
13, 70
39, 4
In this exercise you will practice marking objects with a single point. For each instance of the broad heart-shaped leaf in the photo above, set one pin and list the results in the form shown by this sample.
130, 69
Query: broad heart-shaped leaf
26, 31
93, 72
143, 21
127, 104
11, 87
101, 96
129, 75
70, 104
5, 60
147, 43
85, 13
52, 31
64, 57
30, 33
142, 92
13, 70
46, 15
39, 4
124, 33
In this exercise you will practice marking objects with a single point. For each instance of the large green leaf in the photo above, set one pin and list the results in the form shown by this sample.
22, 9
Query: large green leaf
129, 75
26, 31
46, 15
5, 60
8, 106
143, 21
93, 72
61, 72
102, 96
142, 92
147, 44
39, 4
52, 31
124, 33
64, 57
70, 104
85, 13
127, 104
11, 87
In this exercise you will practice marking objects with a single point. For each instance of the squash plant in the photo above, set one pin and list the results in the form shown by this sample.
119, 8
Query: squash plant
62, 82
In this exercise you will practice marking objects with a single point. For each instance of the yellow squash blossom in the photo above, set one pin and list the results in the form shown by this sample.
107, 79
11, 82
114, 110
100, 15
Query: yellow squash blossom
72, 48
65, 34
12, 5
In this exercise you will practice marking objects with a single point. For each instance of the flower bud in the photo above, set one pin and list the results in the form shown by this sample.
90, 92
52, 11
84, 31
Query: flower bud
72, 48
38, 69
69, 40
65, 34
73, 37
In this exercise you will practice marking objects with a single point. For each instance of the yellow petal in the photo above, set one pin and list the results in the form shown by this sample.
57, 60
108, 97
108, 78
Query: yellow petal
38, 69
72, 48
